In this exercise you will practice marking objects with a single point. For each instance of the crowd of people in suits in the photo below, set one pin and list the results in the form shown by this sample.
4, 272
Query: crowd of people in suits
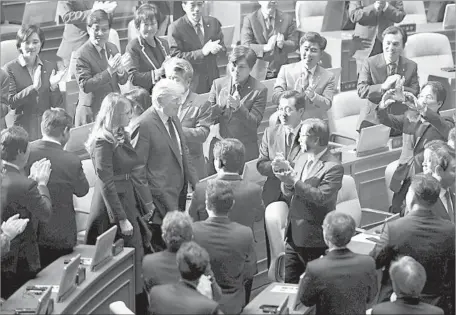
146, 147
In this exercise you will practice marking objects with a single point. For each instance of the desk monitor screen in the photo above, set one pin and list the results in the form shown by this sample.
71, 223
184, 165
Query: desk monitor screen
103, 248
372, 138
68, 280
43, 302
78, 136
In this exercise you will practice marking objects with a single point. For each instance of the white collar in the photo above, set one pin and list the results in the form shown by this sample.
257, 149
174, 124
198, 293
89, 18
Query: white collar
47, 139
387, 63
442, 193
194, 24
294, 131
12, 165
312, 70
318, 156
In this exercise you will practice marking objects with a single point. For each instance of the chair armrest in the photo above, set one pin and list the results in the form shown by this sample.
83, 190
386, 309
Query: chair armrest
335, 135
275, 273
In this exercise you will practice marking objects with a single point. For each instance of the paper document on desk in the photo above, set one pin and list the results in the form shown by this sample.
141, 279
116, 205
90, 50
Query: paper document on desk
363, 243
285, 289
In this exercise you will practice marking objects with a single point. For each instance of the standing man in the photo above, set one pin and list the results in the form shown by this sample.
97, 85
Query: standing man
271, 34
199, 40
312, 185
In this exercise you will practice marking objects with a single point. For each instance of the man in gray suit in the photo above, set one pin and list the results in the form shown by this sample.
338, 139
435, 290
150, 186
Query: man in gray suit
230, 247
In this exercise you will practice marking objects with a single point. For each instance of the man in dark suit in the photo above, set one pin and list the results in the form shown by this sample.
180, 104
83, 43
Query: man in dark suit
28, 197
182, 297
419, 126
312, 185
383, 72
423, 235
271, 34
230, 246
199, 40
341, 282
408, 278
58, 236
159, 140
99, 69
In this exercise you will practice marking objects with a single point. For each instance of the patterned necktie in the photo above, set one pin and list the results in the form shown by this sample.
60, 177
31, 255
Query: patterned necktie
199, 33
449, 205
305, 77
172, 133
392, 68
307, 168
289, 143
103, 56
269, 23
237, 90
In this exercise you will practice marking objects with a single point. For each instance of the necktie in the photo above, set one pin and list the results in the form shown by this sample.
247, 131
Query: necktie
449, 205
307, 168
392, 69
103, 57
237, 90
199, 33
305, 77
269, 23
289, 143
172, 133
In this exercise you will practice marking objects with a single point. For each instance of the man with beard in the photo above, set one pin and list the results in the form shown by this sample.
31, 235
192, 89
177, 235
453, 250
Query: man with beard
419, 125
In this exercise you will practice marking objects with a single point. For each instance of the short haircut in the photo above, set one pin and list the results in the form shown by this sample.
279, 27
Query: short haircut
140, 99
408, 277
176, 229
165, 89
396, 30
426, 189
147, 12
313, 37
339, 228
441, 153
179, 65
438, 89
14, 141
219, 196
231, 152
452, 135
243, 52
317, 128
97, 17
55, 121
192, 261
300, 99
25, 32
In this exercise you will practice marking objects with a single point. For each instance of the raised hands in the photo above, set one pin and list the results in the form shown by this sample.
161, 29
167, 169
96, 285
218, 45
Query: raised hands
115, 63
212, 47
107, 6
14, 226
387, 99
41, 171
280, 164
390, 82
233, 101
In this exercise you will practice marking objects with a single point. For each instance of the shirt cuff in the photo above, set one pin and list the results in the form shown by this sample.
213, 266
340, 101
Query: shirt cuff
386, 7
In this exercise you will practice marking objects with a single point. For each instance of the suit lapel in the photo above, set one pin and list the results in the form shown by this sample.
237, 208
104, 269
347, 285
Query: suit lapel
401, 67
260, 19
97, 57
150, 58
186, 106
420, 132
383, 70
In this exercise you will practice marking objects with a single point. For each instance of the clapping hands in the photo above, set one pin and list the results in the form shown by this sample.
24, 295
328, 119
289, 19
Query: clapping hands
115, 63
212, 47
233, 101
14, 226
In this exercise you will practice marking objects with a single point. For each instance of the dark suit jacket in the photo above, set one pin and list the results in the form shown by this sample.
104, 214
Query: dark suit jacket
255, 35
247, 208
4, 90
67, 178
23, 195
272, 143
180, 298
185, 43
440, 210
94, 80
405, 306
370, 79
28, 104
425, 237
312, 198
341, 282
143, 61
243, 123
160, 268
233, 259
168, 173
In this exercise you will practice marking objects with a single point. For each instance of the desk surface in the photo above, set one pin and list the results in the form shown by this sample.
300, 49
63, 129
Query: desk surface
52, 274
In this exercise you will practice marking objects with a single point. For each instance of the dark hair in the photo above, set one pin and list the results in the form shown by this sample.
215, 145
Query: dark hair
426, 189
146, 12
339, 228
317, 128
231, 152
300, 99
219, 196
14, 140
176, 229
441, 153
240, 52
313, 37
98, 16
25, 32
192, 261
438, 89
408, 277
55, 121
140, 100
396, 30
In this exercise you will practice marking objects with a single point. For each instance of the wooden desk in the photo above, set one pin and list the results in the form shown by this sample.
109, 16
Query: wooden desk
115, 281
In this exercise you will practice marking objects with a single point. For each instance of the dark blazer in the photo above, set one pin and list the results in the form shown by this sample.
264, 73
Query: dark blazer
160, 268
168, 174
425, 237
4, 90
370, 79
28, 105
143, 59
185, 43
341, 282
233, 259
440, 210
247, 208
255, 35
405, 306
180, 298
23, 195
272, 143
94, 80
241, 124
312, 198
67, 178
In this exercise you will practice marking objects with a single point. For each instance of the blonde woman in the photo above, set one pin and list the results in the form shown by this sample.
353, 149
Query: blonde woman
121, 195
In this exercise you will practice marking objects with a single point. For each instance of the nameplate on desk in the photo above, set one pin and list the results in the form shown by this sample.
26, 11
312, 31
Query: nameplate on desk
285, 289
408, 28
42, 288
396, 142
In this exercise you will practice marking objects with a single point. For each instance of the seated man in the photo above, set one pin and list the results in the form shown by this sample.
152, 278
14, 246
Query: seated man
408, 278
308, 77
424, 236
420, 124
272, 34
341, 282
182, 297
230, 246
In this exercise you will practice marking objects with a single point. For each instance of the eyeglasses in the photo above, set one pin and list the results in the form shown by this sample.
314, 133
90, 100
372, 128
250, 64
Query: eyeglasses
286, 110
